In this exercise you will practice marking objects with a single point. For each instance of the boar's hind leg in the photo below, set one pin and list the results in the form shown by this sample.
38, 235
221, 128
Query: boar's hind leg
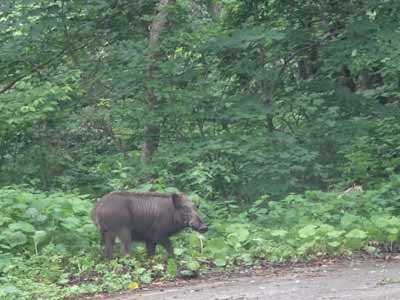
150, 248
124, 236
109, 241
168, 246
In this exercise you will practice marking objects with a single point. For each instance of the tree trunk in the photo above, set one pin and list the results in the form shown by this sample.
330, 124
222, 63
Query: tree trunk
214, 9
152, 128
347, 79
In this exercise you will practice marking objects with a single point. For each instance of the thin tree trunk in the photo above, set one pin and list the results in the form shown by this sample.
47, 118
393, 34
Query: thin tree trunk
214, 8
152, 128
267, 91
347, 79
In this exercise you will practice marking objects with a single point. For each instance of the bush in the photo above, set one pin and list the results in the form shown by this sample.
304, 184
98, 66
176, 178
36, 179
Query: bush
31, 220
49, 249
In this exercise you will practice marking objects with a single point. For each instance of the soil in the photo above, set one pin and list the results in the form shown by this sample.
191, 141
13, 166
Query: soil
357, 279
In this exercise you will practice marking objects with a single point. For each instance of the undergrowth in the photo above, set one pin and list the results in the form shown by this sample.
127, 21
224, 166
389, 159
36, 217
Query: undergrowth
49, 249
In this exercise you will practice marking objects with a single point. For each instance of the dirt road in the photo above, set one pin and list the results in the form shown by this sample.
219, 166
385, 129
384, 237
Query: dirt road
352, 280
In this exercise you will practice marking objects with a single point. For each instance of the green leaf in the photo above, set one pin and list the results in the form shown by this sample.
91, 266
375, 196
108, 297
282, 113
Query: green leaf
281, 233
216, 245
371, 249
22, 226
39, 236
146, 277
17, 238
193, 265
393, 231
348, 219
307, 231
172, 268
357, 234
304, 248
178, 251
334, 244
220, 260
5, 261
233, 240
334, 234
9, 291
71, 223
242, 234
326, 228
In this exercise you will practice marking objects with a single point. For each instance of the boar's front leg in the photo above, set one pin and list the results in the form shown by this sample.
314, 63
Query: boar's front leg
150, 248
168, 246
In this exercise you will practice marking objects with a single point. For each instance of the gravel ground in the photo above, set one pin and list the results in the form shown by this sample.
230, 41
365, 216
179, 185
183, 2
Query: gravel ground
352, 280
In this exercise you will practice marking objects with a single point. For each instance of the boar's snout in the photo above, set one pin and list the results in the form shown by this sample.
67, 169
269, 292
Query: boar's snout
203, 228
198, 225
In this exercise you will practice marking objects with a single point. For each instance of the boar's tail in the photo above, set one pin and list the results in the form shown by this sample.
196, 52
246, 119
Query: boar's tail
94, 213
97, 221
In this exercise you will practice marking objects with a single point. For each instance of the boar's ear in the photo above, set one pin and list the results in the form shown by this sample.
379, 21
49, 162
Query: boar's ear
177, 200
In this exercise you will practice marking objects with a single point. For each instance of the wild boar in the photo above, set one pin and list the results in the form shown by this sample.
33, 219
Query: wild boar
150, 217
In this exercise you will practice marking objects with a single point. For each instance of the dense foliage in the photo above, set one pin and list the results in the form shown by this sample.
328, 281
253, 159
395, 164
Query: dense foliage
49, 249
261, 110
254, 97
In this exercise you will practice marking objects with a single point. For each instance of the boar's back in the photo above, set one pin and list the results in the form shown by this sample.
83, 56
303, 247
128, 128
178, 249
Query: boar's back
147, 215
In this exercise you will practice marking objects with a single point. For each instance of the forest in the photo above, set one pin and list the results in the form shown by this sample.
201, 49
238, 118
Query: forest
279, 118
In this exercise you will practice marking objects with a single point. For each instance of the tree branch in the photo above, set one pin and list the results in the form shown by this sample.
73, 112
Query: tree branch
38, 67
